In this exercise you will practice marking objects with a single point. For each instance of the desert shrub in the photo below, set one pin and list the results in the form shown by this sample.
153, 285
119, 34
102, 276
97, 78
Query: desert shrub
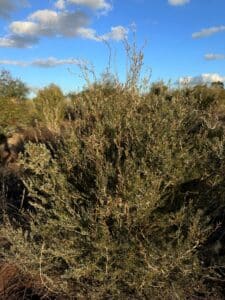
128, 205
158, 88
217, 85
204, 96
15, 114
50, 107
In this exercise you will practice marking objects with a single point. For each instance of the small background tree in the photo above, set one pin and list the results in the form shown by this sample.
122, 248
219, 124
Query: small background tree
15, 111
12, 88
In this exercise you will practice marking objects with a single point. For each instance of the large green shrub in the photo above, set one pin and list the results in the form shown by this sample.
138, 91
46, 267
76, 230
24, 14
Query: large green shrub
124, 208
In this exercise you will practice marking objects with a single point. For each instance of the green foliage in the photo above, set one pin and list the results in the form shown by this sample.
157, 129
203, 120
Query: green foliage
127, 201
158, 88
50, 106
11, 88
15, 114
14, 110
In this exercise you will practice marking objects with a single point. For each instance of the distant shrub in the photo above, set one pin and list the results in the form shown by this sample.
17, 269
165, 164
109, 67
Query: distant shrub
50, 106
15, 114
217, 84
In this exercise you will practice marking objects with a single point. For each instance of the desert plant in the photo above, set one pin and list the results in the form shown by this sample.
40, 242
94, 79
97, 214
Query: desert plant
130, 204
124, 196
50, 106
15, 114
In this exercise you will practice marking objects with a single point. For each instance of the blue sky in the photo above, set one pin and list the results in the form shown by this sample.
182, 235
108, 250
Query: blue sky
44, 41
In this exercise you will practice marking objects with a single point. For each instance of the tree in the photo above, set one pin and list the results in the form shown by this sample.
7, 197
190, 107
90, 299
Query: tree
12, 88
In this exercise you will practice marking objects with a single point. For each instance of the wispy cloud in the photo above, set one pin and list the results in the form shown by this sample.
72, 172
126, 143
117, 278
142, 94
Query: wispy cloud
204, 78
54, 62
208, 31
13, 63
49, 62
214, 56
178, 2
9, 6
92, 4
17, 41
116, 33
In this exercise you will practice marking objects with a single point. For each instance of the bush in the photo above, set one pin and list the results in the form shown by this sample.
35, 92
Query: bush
127, 200
15, 114
50, 106
128, 204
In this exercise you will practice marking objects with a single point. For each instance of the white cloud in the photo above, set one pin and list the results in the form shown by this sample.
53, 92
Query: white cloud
93, 4
208, 31
53, 62
9, 6
24, 28
211, 77
44, 16
204, 78
60, 4
7, 42
99, 5
12, 63
50, 23
58, 23
117, 33
16, 41
88, 33
213, 56
178, 2
42, 63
